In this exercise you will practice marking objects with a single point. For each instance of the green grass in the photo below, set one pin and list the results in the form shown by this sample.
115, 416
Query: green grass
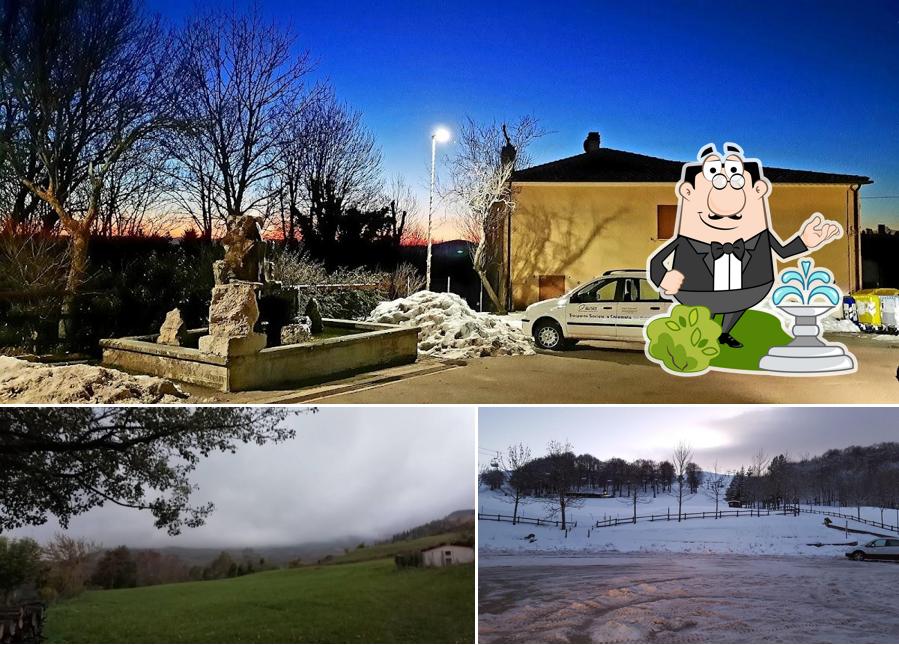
368, 602
758, 331
377, 551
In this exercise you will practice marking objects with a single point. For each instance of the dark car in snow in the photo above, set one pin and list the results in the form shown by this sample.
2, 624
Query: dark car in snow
882, 549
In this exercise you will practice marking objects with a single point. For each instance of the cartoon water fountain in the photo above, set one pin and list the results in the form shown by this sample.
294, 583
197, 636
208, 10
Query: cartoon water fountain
806, 295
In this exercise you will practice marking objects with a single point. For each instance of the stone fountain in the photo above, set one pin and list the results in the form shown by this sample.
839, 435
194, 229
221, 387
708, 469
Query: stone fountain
807, 353
256, 339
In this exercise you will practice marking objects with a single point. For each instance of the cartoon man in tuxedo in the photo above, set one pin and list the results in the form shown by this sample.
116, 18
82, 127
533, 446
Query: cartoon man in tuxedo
722, 256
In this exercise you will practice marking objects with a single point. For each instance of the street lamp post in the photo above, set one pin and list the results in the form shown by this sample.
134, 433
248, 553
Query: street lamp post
440, 135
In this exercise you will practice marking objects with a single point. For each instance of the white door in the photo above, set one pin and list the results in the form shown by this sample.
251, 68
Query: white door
892, 549
592, 311
639, 303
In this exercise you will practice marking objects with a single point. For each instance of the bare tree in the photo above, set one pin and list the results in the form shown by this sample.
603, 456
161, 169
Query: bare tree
134, 191
68, 562
329, 164
241, 77
683, 455
757, 469
716, 485
519, 483
404, 209
561, 479
480, 173
82, 81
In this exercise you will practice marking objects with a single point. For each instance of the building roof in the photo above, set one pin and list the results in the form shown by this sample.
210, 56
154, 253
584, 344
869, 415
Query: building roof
618, 166
446, 544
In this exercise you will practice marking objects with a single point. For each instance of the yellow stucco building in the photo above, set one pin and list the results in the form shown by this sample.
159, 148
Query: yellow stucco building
608, 209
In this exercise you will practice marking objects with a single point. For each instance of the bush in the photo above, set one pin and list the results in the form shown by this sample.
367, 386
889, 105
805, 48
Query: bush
32, 276
354, 303
686, 340
20, 566
132, 283
408, 559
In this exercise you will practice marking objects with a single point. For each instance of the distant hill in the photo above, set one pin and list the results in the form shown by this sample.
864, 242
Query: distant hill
457, 521
277, 555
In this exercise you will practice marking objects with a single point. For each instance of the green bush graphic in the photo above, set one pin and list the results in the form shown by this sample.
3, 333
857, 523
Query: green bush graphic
686, 340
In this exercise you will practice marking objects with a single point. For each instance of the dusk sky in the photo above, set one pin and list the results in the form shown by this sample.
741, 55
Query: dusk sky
729, 434
805, 85
364, 472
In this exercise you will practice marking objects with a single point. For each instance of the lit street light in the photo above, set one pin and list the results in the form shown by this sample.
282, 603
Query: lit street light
440, 135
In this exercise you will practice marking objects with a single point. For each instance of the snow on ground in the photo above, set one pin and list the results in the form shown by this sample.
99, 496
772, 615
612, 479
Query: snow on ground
25, 382
832, 324
771, 535
514, 319
452, 329
647, 598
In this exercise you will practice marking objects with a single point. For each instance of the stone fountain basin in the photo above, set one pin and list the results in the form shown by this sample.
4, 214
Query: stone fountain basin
797, 310
349, 347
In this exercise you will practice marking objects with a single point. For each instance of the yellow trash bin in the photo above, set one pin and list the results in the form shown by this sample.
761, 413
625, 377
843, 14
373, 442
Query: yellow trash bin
867, 308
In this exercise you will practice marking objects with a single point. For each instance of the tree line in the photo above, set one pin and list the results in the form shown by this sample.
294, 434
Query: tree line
66, 566
561, 476
855, 476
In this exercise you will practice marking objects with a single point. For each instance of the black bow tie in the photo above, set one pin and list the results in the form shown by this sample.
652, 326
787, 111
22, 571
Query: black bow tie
738, 248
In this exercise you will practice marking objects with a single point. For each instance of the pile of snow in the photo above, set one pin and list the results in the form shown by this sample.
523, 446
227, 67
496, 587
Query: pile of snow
767, 535
831, 324
452, 329
24, 382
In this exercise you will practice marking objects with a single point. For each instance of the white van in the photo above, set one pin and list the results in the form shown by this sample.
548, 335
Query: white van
612, 307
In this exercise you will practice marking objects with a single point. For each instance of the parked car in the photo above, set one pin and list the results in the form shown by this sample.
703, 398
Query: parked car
882, 549
612, 307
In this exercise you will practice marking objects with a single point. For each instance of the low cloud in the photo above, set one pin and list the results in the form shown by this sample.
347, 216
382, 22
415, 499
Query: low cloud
364, 472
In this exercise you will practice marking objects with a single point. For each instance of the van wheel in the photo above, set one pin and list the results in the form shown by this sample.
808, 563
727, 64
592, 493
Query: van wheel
548, 335
858, 555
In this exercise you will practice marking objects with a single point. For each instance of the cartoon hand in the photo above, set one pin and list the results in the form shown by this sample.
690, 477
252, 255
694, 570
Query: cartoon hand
671, 282
819, 231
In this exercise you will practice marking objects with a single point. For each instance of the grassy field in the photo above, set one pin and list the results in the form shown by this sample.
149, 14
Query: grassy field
368, 602
759, 331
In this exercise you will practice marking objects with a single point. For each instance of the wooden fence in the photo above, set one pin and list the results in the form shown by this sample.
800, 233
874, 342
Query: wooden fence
704, 515
496, 517
22, 624
854, 518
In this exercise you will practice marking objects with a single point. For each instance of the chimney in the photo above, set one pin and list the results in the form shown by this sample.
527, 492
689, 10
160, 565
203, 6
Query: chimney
591, 143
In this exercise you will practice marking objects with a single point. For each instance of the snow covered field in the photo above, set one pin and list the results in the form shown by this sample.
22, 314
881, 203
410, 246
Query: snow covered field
771, 535
645, 598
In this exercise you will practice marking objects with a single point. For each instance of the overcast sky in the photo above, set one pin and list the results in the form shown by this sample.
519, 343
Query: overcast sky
364, 472
730, 435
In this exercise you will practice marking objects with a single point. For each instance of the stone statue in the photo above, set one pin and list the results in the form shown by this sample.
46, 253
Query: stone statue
244, 253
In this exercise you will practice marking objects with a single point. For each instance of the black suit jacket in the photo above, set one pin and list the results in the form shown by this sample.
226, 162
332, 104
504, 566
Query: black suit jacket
694, 259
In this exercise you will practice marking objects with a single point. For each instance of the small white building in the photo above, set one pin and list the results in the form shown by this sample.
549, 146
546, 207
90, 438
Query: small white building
447, 554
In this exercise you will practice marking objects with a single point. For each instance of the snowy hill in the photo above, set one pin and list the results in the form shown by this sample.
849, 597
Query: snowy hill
771, 535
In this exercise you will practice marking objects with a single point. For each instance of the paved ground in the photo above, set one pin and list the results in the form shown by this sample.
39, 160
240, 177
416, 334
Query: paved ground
645, 598
592, 375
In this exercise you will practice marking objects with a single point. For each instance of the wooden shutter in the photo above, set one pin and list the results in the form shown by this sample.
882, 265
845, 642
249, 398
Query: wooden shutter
665, 218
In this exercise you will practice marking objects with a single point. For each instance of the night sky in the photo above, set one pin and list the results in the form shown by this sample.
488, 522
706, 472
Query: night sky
805, 85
